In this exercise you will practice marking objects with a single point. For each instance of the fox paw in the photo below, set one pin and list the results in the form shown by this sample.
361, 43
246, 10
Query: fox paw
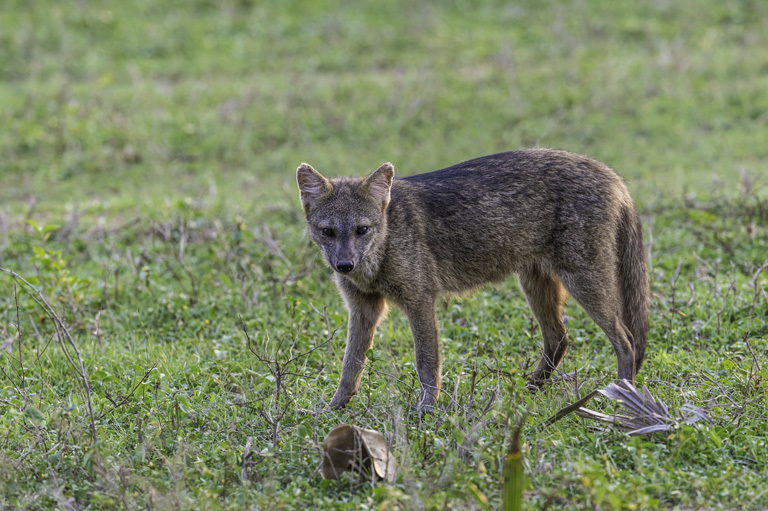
340, 400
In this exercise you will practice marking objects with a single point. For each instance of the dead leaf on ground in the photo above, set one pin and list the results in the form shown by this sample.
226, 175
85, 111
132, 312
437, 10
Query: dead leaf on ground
644, 413
350, 448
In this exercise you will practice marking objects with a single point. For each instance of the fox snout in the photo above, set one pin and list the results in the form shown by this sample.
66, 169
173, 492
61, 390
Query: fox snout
345, 266
343, 263
342, 254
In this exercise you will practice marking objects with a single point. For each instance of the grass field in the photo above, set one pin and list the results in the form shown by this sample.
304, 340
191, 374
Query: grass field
148, 151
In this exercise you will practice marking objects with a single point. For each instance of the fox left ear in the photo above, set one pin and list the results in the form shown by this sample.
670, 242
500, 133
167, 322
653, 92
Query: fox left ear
379, 183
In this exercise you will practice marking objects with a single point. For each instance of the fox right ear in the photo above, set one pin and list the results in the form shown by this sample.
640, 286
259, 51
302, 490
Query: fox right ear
312, 184
379, 183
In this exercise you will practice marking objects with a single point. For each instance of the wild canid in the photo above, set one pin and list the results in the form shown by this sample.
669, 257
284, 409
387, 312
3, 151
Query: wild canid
564, 223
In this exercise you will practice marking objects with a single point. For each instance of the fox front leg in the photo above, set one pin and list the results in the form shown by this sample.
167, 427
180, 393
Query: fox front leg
427, 346
365, 312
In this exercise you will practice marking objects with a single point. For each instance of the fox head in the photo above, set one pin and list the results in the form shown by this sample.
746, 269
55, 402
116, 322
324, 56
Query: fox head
346, 217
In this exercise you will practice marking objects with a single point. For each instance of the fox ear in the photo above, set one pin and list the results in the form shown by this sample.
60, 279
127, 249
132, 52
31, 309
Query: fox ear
312, 184
379, 183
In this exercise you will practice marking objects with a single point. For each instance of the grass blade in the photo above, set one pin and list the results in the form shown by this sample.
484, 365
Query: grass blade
512, 492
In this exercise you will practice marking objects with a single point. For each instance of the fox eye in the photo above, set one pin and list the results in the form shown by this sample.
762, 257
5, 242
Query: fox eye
327, 232
362, 230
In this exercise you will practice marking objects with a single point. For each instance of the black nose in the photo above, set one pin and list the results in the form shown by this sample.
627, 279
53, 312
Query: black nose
345, 266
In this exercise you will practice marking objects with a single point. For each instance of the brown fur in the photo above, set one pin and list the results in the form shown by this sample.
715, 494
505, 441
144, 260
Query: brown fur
564, 223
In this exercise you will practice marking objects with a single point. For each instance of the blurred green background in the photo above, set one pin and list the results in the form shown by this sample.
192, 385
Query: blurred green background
118, 105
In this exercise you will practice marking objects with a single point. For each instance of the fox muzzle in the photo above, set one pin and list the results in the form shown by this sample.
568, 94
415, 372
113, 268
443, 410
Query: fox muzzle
345, 266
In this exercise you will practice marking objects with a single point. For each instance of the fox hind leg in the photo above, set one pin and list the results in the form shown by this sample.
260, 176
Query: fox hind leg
597, 291
546, 296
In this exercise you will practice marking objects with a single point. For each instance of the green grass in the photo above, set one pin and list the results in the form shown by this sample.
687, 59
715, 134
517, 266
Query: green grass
153, 146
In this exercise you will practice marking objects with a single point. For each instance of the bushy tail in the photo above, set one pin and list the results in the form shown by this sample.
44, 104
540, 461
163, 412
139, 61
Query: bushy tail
633, 280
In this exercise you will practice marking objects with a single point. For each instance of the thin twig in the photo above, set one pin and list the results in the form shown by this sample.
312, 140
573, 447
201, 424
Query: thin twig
278, 370
19, 336
124, 399
246, 454
754, 357
61, 327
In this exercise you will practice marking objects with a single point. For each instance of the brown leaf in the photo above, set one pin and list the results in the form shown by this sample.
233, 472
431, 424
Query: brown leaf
350, 448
